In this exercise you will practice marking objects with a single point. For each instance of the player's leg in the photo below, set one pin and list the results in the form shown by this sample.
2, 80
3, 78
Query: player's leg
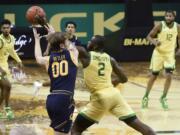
59, 133
124, 112
169, 65
155, 66
1, 98
167, 85
6, 94
60, 108
150, 83
1, 93
6, 88
2, 90
80, 124
136, 124
91, 114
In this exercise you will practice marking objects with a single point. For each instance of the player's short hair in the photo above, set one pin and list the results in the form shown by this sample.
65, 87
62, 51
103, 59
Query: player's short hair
172, 12
70, 22
99, 41
5, 21
55, 39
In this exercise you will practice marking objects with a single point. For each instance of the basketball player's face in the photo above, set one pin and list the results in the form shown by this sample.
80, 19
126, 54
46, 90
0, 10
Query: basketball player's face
169, 18
6, 28
70, 29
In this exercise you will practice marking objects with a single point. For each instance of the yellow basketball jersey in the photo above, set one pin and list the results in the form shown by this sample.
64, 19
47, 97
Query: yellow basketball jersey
167, 37
97, 75
5, 46
6, 49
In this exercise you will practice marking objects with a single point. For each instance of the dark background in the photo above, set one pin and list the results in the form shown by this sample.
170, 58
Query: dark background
137, 24
75, 1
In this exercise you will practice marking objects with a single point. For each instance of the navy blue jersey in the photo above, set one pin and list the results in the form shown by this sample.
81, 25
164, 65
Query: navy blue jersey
75, 41
62, 71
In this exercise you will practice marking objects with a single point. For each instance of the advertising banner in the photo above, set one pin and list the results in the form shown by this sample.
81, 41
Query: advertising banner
91, 19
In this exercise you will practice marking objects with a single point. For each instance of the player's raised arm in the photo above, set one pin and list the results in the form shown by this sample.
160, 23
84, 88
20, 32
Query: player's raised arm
50, 30
46, 53
83, 56
37, 50
122, 78
152, 34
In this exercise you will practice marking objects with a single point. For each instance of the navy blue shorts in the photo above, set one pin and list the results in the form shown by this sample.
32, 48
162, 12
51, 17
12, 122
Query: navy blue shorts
60, 108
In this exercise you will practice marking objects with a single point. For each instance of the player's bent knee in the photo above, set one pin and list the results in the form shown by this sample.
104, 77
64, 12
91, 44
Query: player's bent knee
59, 133
6, 84
169, 71
139, 126
130, 120
155, 73
81, 123
8, 87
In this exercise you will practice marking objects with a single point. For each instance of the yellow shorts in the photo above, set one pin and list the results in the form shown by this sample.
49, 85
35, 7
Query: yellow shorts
107, 100
162, 61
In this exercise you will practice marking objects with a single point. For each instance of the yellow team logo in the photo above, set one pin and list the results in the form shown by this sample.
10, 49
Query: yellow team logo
60, 68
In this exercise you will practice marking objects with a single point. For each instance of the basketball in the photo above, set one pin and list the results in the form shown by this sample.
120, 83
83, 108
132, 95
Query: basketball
34, 13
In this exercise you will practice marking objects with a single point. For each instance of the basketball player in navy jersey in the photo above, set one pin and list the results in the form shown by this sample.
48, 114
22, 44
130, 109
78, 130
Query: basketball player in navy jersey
62, 68
70, 28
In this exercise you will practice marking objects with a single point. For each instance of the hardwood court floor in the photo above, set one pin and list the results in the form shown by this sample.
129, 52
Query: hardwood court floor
31, 114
